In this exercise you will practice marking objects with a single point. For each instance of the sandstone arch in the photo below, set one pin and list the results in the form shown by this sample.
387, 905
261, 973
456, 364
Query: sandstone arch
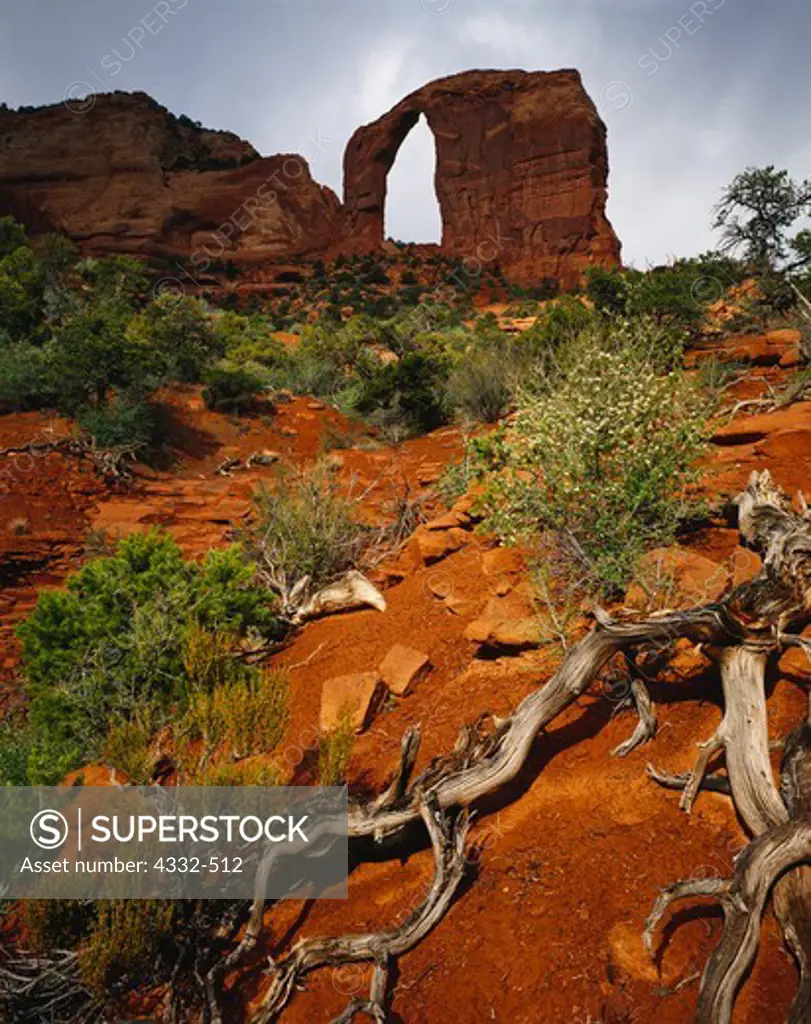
521, 169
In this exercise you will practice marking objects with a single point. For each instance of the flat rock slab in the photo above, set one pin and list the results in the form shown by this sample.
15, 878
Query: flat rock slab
402, 667
357, 696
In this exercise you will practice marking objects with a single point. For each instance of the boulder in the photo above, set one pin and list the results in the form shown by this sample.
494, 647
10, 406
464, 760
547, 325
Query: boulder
502, 561
359, 695
429, 546
694, 578
508, 622
402, 667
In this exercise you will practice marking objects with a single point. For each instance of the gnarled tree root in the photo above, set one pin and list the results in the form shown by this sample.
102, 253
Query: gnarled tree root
448, 841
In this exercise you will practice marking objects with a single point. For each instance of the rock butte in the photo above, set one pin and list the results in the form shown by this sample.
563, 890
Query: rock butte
521, 171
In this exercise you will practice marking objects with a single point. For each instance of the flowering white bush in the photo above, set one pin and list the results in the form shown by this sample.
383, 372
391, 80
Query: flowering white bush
599, 451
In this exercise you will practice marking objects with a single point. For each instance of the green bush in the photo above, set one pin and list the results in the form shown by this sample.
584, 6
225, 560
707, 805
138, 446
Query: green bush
125, 941
175, 335
241, 717
481, 385
16, 740
334, 751
305, 526
114, 642
231, 389
55, 924
128, 747
22, 376
118, 423
407, 395
599, 453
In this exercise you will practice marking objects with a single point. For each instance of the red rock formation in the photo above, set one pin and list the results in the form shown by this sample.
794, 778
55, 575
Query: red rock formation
520, 173
520, 178
128, 176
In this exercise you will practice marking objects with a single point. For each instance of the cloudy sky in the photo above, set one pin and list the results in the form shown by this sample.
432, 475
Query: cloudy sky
691, 92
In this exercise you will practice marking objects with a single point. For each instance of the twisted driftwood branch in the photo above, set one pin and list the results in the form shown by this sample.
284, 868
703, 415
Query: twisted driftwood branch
448, 842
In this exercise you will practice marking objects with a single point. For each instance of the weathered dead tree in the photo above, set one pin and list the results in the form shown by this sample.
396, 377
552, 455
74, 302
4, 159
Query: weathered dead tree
379, 949
112, 463
45, 987
741, 631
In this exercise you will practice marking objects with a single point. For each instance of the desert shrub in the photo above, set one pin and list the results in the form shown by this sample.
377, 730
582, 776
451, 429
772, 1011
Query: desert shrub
88, 357
334, 751
600, 453
176, 335
558, 323
125, 941
55, 924
128, 747
12, 236
118, 423
114, 642
675, 294
244, 716
406, 396
16, 741
480, 386
246, 339
230, 388
607, 289
305, 527
22, 376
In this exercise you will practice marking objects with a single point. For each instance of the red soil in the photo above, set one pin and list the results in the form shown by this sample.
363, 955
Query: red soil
570, 858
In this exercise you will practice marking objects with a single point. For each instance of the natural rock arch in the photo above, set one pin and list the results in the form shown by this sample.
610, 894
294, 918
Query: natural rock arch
521, 169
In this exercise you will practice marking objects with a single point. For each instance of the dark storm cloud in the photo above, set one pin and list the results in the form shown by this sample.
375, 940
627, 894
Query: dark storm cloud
691, 91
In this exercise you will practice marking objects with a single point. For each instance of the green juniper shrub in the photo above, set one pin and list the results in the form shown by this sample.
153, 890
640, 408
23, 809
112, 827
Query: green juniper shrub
406, 396
232, 389
177, 333
112, 643
119, 423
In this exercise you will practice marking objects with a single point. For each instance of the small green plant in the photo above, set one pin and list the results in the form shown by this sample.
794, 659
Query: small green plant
231, 389
244, 716
334, 751
128, 747
125, 941
55, 924
481, 385
118, 424
241, 773
305, 527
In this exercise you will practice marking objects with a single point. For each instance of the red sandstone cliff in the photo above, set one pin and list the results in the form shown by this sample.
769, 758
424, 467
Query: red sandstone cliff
520, 178
128, 176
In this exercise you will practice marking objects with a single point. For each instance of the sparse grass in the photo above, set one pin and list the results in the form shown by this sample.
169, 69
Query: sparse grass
125, 941
238, 718
55, 924
243, 773
306, 527
334, 751
129, 747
